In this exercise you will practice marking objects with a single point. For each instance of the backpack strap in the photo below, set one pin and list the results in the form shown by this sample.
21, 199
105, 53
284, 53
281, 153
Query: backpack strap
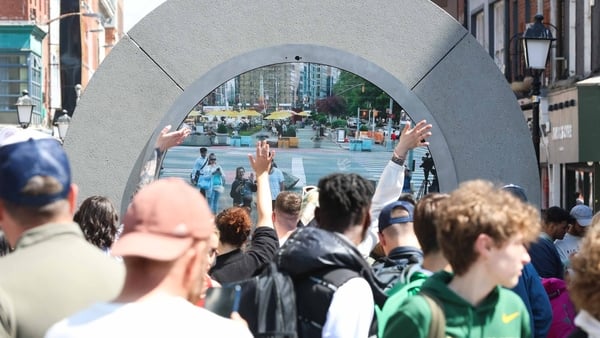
313, 297
437, 326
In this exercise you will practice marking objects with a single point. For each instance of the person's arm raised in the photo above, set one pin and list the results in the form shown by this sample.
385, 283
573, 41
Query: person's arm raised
391, 180
261, 164
166, 140
411, 138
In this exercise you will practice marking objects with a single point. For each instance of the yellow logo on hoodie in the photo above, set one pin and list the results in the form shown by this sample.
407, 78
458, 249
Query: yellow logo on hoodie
510, 317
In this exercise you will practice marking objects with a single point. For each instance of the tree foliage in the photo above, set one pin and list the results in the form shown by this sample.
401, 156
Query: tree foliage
332, 105
360, 93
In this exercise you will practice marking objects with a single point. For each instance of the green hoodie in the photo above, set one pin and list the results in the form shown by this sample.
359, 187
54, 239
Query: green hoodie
501, 314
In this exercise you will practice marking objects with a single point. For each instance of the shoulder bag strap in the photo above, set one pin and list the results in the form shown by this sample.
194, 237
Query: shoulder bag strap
205, 162
437, 327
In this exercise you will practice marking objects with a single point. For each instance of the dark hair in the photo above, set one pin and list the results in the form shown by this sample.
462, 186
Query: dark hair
5, 248
234, 226
98, 220
344, 199
556, 215
424, 222
408, 197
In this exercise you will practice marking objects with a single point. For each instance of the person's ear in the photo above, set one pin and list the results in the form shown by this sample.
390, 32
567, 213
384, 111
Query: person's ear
483, 245
381, 238
72, 197
366, 223
190, 261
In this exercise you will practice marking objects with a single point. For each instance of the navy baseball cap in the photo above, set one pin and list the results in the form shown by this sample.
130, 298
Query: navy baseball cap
386, 219
517, 191
25, 154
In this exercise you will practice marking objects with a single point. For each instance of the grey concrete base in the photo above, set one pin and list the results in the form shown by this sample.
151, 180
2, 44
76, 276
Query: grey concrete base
412, 50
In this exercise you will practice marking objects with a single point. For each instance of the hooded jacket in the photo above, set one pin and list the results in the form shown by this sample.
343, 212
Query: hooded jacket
500, 314
310, 250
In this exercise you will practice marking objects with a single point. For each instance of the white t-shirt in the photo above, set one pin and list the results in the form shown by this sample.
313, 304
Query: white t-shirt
566, 247
351, 310
388, 189
159, 316
275, 179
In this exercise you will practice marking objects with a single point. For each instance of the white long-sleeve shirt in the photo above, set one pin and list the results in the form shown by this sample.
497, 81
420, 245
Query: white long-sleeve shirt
388, 190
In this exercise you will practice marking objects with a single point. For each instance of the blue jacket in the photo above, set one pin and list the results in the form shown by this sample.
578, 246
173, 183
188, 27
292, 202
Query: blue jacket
533, 294
545, 258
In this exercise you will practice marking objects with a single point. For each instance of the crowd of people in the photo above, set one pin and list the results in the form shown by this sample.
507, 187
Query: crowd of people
365, 261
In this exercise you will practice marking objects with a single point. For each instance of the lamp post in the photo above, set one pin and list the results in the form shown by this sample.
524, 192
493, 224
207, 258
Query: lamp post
66, 15
536, 47
24, 109
63, 123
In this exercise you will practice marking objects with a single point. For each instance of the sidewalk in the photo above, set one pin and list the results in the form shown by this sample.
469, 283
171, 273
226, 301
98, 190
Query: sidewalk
375, 147
306, 137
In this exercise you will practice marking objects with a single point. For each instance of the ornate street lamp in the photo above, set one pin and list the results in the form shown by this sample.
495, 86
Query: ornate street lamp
63, 126
537, 40
24, 109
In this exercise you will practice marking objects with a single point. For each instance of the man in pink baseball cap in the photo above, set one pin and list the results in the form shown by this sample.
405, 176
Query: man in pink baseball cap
164, 245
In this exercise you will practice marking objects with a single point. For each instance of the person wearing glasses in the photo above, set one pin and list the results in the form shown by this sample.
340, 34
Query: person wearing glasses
217, 184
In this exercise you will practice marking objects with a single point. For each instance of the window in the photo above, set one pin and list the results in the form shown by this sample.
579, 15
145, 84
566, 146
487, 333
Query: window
480, 30
20, 71
499, 34
13, 73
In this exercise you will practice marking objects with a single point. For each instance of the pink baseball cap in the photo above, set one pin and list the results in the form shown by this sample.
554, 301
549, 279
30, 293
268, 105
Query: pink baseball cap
163, 220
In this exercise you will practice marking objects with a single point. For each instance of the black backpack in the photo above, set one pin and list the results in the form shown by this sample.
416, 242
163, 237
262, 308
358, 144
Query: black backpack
388, 272
314, 294
268, 304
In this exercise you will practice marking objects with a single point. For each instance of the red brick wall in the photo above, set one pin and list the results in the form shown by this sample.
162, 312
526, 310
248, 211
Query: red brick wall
24, 10
14, 10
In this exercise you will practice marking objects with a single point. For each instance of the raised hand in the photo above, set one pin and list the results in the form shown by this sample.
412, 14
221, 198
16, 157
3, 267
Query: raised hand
168, 139
264, 157
412, 138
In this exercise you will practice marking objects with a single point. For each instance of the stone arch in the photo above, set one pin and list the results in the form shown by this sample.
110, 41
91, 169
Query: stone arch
180, 52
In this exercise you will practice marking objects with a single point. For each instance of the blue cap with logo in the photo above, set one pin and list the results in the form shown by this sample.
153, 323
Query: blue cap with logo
386, 219
25, 154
